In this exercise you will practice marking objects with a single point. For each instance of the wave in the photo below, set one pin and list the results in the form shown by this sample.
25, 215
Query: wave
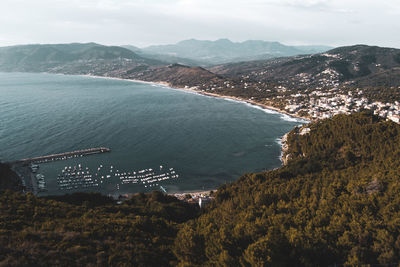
283, 116
293, 119
234, 100
279, 141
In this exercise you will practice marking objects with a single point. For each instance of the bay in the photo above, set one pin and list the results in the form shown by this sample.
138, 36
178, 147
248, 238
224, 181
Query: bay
207, 141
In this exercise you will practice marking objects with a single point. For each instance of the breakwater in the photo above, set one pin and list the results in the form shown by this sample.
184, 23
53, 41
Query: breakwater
65, 155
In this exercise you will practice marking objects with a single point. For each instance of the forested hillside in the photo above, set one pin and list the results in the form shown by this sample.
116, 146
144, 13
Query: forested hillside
89, 230
335, 202
9, 179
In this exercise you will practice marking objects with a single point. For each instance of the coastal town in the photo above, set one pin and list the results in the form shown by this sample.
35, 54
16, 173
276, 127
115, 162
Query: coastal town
328, 99
323, 105
310, 105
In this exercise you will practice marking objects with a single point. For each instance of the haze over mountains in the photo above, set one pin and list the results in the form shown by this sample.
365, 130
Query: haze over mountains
76, 56
223, 50
69, 58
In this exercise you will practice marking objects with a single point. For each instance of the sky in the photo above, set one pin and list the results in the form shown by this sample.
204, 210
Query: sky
149, 22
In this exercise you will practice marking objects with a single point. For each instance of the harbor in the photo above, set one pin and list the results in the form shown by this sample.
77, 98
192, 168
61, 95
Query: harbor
28, 168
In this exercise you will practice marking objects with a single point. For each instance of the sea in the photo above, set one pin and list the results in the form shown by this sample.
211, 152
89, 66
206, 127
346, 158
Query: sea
160, 138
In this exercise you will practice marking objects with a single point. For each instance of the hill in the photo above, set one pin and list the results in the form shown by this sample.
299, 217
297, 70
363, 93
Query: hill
224, 50
345, 67
69, 58
175, 75
89, 230
335, 202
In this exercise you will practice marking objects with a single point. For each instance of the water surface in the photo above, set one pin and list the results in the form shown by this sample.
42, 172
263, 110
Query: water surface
207, 141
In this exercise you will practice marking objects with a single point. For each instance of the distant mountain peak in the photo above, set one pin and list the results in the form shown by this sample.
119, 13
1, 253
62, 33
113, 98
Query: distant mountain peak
223, 40
224, 50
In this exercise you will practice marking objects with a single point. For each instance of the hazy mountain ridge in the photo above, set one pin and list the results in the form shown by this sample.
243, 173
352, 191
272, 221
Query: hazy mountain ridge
168, 59
50, 57
224, 50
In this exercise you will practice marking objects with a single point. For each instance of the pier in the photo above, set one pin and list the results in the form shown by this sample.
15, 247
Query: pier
65, 155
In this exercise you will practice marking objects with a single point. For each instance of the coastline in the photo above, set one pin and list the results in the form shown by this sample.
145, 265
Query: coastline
191, 90
238, 99
251, 102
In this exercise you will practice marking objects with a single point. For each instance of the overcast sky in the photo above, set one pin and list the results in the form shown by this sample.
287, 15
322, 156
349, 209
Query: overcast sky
147, 22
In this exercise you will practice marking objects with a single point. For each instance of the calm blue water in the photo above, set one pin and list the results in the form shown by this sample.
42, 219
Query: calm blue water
208, 141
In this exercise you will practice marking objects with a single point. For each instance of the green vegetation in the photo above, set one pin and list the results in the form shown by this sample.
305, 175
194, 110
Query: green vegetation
397, 58
42, 232
9, 179
335, 202
343, 68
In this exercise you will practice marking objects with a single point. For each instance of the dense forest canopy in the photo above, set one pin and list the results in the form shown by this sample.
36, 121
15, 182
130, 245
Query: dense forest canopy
335, 202
9, 179
90, 230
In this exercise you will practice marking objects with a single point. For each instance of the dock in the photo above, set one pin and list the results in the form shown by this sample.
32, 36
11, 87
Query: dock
65, 155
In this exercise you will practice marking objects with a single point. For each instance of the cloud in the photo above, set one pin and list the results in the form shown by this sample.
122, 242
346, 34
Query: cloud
304, 3
145, 22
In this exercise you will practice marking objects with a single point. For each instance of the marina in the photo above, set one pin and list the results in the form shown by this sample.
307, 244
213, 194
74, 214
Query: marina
79, 177
35, 182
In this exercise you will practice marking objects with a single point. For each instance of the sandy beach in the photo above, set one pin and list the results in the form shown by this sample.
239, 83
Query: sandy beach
191, 90
238, 99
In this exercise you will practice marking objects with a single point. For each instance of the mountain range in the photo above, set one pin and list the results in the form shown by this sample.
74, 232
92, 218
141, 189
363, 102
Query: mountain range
351, 62
372, 68
92, 58
67, 57
206, 52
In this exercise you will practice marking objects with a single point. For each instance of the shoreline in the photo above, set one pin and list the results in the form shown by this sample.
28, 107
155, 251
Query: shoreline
251, 102
227, 97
